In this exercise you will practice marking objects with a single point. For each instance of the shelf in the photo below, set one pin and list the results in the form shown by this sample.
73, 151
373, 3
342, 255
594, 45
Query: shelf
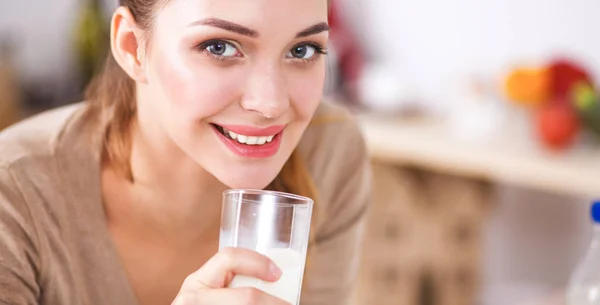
507, 158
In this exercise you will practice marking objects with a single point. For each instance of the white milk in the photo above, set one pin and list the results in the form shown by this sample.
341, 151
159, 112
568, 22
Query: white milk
287, 287
584, 295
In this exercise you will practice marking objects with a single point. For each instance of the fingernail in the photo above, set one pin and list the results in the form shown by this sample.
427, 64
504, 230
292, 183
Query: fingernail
274, 271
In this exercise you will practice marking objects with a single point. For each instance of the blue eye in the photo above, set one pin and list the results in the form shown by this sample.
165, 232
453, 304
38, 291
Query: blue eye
221, 48
302, 52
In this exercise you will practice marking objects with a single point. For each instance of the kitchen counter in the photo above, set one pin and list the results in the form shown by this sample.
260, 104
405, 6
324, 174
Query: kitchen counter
508, 158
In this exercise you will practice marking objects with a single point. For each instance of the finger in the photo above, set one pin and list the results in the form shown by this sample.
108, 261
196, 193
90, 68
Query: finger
248, 296
218, 271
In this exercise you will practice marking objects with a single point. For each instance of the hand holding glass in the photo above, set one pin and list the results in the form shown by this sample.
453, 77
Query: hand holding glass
275, 224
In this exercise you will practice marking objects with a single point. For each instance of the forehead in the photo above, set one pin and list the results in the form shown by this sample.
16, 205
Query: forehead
260, 15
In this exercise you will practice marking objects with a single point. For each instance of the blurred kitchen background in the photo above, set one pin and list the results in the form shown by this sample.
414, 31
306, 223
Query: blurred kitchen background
481, 116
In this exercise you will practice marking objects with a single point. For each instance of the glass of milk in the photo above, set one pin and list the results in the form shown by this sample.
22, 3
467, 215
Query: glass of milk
272, 223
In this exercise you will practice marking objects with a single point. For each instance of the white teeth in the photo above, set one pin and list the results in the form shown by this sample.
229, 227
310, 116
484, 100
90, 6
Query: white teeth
249, 140
261, 140
242, 139
252, 140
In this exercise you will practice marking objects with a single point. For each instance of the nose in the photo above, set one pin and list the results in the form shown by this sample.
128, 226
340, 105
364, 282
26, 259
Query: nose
266, 92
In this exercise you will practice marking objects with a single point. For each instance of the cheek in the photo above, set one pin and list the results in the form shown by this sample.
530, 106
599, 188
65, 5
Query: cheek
194, 88
306, 91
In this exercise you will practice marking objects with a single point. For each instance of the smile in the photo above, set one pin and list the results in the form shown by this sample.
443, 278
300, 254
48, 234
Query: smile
245, 139
250, 142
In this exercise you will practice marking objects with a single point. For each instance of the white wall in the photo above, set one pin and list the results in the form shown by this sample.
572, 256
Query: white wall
433, 43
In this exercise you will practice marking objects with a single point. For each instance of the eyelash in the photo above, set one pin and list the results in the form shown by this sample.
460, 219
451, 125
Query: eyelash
319, 50
203, 49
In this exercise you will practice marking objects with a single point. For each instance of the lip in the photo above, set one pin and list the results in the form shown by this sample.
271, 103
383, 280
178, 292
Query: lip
255, 131
252, 151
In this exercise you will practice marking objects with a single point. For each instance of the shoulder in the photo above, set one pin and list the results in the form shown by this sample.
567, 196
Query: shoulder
35, 137
332, 130
332, 141
32, 193
336, 157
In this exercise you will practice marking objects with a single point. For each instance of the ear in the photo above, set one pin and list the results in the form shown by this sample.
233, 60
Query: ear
126, 44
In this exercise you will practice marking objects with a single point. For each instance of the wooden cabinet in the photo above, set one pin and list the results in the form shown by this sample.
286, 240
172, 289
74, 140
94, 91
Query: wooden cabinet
423, 239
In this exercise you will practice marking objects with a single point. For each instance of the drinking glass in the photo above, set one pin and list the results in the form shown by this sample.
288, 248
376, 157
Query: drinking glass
275, 224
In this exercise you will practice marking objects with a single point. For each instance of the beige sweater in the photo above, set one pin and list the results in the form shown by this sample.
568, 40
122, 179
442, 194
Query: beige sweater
55, 248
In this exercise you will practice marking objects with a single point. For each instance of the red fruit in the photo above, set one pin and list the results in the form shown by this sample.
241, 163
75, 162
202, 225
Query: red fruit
557, 125
564, 74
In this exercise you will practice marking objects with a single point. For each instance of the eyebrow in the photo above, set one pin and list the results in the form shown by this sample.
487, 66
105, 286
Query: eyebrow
242, 30
312, 30
226, 25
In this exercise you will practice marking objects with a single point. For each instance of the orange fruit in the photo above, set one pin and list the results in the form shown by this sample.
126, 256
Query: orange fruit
528, 86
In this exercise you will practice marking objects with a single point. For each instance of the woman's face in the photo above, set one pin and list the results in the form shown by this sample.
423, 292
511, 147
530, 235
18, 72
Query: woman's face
234, 83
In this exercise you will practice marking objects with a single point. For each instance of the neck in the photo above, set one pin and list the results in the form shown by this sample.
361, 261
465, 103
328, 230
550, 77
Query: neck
170, 192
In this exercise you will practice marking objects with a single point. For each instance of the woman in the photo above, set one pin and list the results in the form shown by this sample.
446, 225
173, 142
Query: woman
117, 200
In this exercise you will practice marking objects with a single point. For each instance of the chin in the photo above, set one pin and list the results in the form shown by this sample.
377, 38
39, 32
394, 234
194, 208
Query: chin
248, 178
234, 182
